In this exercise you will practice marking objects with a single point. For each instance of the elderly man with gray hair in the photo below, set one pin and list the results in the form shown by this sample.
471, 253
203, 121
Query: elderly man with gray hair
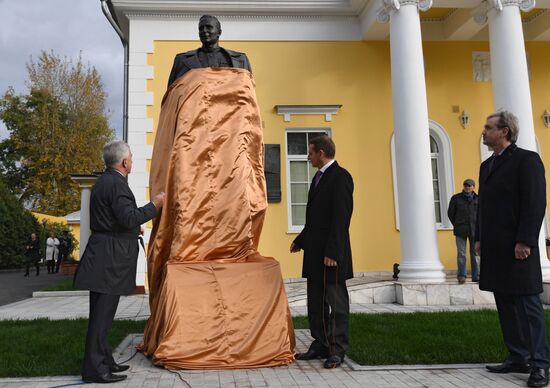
108, 265
512, 202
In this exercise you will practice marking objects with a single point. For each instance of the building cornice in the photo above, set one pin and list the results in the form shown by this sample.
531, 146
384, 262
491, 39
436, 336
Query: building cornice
341, 7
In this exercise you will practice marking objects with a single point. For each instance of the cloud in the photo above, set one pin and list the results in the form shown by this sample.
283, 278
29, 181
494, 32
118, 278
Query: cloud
68, 27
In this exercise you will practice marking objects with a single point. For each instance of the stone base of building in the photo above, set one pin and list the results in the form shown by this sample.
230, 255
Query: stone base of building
450, 293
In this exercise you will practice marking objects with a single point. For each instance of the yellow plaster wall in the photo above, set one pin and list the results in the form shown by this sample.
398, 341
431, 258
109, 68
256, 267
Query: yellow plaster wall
357, 75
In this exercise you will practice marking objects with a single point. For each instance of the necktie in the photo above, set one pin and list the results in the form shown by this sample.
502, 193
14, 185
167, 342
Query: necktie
318, 175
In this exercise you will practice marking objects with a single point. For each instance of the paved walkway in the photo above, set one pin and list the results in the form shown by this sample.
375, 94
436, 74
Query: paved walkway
15, 287
300, 374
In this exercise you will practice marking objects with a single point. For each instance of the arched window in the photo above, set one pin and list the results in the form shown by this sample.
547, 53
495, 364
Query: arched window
442, 175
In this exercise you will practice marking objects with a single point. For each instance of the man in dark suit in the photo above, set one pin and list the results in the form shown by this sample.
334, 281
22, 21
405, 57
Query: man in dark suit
512, 202
210, 54
108, 265
327, 254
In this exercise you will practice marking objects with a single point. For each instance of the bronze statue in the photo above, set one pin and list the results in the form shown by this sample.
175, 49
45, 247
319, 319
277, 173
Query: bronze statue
210, 54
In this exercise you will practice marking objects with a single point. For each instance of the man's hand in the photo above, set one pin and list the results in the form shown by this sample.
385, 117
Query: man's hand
294, 248
330, 263
158, 200
522, 251
477, 248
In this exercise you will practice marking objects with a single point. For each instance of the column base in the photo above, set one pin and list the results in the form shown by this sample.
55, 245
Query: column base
421, 273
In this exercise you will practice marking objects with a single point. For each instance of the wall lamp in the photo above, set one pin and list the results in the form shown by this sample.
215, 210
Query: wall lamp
546, 118
464, 119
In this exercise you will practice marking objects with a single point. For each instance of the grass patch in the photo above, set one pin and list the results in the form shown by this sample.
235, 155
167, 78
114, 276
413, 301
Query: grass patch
50, 348
427, 338
64, 285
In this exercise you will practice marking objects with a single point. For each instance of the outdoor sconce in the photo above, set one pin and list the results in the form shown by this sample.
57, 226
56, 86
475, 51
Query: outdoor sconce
546, 118
464, 119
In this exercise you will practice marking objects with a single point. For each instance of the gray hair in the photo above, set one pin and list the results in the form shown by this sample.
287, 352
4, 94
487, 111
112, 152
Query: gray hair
114, 152
508, 120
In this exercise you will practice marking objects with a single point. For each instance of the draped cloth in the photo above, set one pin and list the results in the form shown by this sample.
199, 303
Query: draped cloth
215, 301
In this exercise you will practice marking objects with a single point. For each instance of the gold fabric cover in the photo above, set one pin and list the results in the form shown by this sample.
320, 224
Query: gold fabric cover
215, 301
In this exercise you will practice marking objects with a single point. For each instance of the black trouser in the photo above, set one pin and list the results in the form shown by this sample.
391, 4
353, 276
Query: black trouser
28, 266
328, 316
523, 328
50, 265
62, 256
98, 357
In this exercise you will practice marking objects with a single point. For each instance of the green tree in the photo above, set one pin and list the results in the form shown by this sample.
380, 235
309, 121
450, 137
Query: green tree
58, 129
16, 226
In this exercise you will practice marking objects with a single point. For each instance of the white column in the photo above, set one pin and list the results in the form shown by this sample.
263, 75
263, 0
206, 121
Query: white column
86, 182
419, 249
85, 231
510, 77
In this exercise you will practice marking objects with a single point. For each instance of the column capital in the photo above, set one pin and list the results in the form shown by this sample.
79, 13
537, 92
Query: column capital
480, 13
389, 6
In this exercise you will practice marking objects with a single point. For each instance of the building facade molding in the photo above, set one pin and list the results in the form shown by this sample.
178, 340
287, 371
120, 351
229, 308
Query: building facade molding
288, 110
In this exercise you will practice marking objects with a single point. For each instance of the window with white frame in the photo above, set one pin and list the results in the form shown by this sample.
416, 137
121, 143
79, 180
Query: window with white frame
299, 173
442, 175
434, 155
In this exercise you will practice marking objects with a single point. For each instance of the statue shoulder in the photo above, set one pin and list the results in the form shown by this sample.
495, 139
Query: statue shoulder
236, 54
190, 53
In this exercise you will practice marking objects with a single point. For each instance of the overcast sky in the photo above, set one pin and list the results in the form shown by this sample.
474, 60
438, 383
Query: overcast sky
68, 27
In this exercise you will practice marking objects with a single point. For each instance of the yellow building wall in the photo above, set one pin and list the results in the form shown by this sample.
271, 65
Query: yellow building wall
357, 76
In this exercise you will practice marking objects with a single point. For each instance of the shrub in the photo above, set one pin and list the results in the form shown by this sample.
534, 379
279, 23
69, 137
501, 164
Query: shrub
16, 226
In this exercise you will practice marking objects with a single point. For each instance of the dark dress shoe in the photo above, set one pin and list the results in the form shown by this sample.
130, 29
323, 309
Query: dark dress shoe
118, 368
509, 367
105, 378
538, 378
312, 354
332, 362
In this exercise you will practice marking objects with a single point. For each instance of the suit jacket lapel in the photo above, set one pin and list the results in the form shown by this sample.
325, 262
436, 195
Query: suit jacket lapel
314, 190
501, 160
191, 59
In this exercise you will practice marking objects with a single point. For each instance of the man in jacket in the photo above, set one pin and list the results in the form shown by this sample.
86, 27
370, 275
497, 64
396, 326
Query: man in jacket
108, 265
462, 213
210, 54
327, 254
512, 202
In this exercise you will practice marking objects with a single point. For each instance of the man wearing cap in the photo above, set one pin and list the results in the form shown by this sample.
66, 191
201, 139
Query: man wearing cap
462, 213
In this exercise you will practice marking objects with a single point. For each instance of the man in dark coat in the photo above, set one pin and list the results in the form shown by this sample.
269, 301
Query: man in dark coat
210, 54
462, 213
512, 202
65, 244
108, 265
327, 254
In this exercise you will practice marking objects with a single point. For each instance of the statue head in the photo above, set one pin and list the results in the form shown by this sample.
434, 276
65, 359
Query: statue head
209, 30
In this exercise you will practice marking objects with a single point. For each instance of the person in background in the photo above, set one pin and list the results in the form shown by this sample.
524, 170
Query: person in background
52, 252
462, 213
32, 254
65, 244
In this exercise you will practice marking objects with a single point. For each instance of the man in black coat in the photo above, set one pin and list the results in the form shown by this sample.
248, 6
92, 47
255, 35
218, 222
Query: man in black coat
108, 265
327, 254
210, 54
512, 202
462, 213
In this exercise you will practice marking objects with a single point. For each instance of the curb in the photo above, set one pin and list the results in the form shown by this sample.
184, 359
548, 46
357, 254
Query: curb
43, 294
356, 367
